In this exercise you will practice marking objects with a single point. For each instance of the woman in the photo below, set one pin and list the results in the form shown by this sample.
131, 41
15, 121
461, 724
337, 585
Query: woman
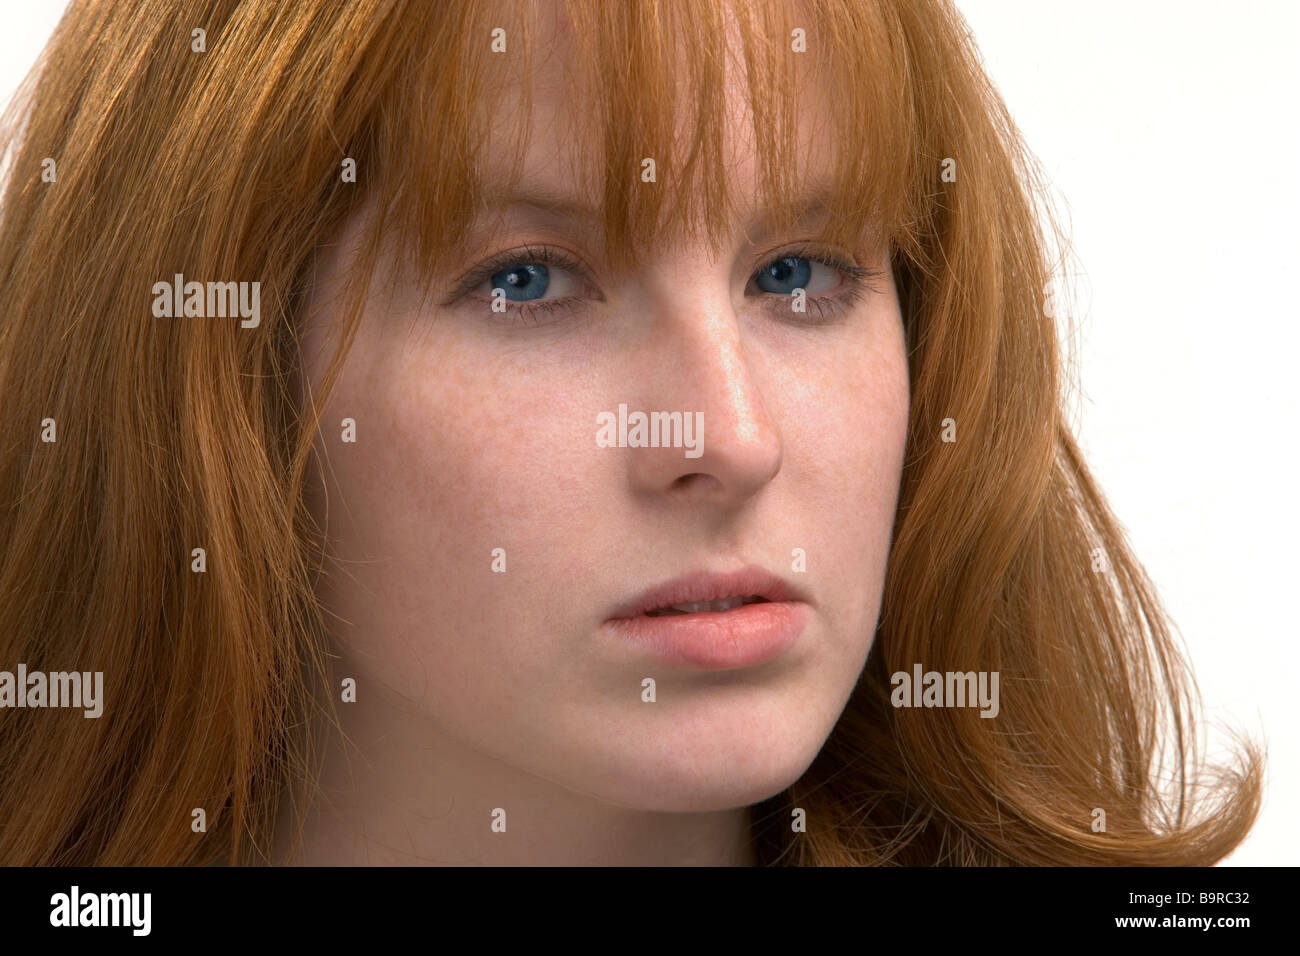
559, 433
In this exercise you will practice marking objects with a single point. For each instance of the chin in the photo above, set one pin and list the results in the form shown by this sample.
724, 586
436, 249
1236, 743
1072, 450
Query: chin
707, 777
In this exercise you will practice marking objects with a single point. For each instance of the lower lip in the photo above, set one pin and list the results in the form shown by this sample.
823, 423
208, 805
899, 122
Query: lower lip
745, 636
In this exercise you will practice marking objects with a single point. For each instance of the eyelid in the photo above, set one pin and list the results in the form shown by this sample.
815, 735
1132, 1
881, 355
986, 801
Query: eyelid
546, 255
862, 275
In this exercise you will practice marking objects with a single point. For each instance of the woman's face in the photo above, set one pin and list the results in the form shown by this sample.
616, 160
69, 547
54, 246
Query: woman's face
484, 537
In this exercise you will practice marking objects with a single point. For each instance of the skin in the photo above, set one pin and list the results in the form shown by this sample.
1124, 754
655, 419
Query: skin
479, 690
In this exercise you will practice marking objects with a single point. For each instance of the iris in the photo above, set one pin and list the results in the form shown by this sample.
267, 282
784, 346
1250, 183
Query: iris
523, 283
785, 275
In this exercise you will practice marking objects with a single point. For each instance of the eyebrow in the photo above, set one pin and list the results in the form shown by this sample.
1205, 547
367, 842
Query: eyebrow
818, 197
540, 197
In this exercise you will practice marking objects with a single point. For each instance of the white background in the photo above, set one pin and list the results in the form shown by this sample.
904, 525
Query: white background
1168, 129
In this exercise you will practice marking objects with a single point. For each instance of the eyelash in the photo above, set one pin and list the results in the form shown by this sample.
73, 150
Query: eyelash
859, 281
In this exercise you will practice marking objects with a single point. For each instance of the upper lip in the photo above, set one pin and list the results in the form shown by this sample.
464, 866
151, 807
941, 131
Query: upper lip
705, 586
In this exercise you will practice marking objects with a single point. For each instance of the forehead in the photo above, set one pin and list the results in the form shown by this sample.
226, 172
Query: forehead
551, 106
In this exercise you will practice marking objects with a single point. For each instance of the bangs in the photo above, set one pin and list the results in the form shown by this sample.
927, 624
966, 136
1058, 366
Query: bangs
640, 81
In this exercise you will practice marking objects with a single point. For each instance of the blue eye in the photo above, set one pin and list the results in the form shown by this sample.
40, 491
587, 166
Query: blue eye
782, 276
522, 283
785, 275
529, 275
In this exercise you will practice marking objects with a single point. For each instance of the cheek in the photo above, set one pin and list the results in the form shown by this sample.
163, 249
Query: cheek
872, 424
452, 517
845, 419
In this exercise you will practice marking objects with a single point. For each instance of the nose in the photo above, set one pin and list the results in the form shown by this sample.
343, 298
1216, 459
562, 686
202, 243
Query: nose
693, 359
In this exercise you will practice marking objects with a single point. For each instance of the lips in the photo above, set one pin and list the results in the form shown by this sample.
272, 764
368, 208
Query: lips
748, 586
714, 621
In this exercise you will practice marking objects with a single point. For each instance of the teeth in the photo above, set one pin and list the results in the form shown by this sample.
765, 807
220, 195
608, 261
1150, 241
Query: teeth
695, 607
